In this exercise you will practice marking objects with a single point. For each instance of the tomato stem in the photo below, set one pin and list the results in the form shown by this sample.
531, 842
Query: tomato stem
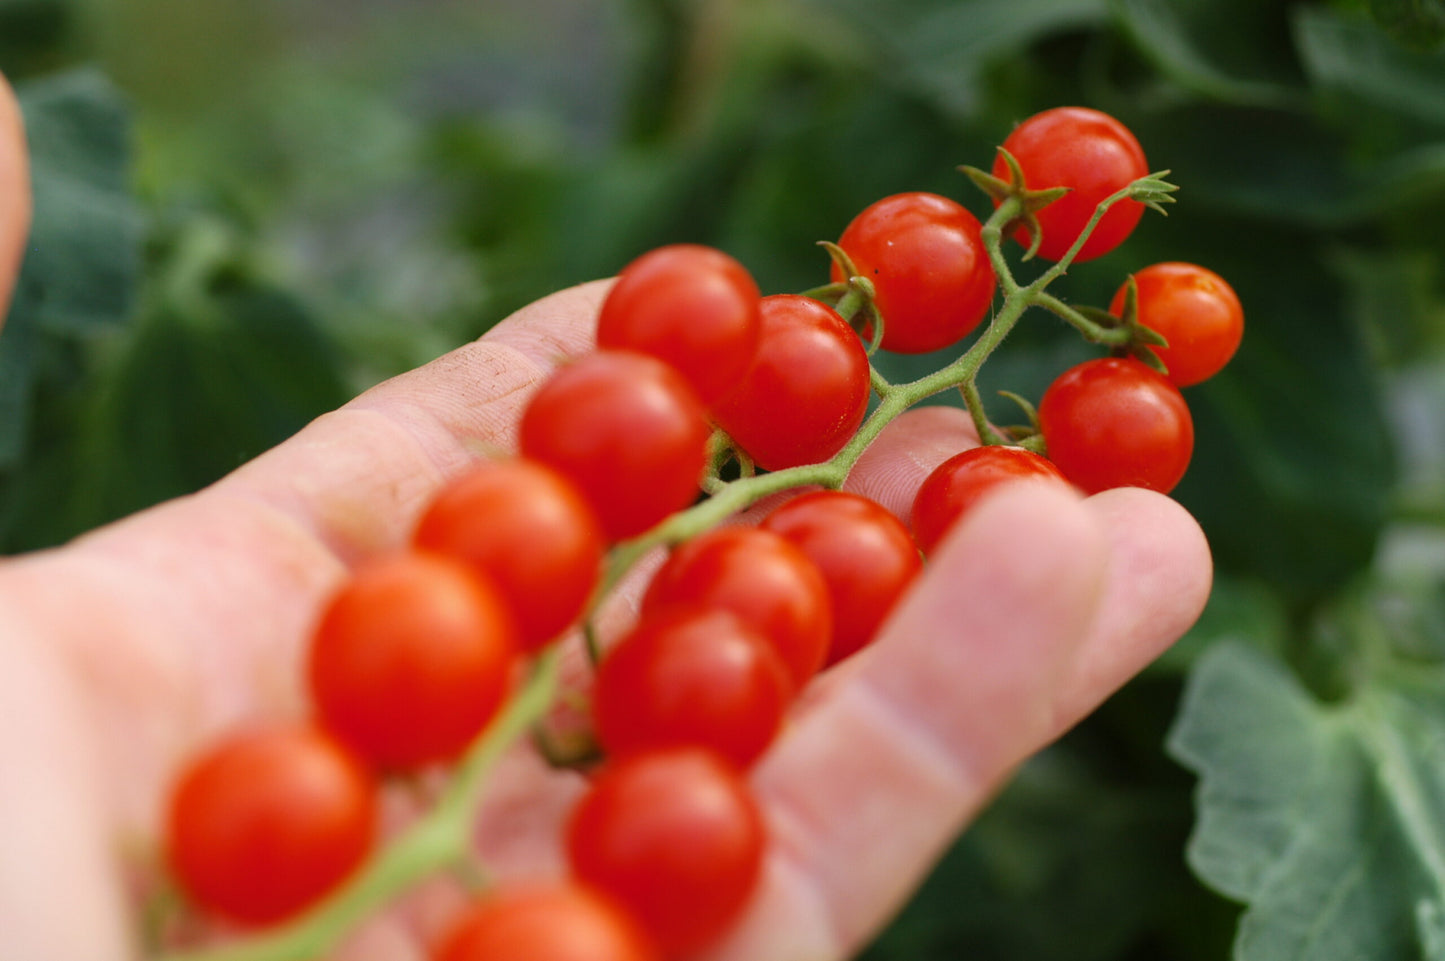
441, 839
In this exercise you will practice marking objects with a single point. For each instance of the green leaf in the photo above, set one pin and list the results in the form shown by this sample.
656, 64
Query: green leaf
83, 255
184, 400
1350, 59
1328, 820
941, 46
1416, 23
1225, 50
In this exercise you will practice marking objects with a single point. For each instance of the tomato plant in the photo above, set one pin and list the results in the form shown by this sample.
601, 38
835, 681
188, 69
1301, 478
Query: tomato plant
267, 821
1094, 156
627, 430
865, 554
544, 923
528, 530
807, 390
1114, 422
675, 838
763, 579
691, 675
926, 260
1194, 309
952, 488
411, 658
691, 306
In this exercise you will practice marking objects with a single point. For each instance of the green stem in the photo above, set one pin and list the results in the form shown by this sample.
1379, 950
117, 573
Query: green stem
1093, 332
439, 840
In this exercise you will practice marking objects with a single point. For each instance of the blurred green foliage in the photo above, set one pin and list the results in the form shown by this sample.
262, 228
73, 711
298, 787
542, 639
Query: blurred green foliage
247, 211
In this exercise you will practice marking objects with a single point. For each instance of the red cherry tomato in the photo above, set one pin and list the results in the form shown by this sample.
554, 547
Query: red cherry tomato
1113, 422
267, 822
1093, 155
675, 838
524, 527
693, 307
691, 676
411, 659
954, 486
807, 390
926, 259
627, 430
763, 579
1195, 310
864, 553
553, 923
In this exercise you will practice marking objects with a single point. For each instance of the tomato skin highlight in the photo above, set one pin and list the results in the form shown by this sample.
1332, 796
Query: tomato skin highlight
530, 532
952, 488
759, 576
1093, 155
691, 676
866, 556
411, 659
268, 821
627, 430
675, 838
807, 390
1114, 422
692, 307
925, 256
544, 923
1194, 309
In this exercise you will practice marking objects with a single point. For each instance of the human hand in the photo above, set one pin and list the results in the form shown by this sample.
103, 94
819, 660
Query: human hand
129, 648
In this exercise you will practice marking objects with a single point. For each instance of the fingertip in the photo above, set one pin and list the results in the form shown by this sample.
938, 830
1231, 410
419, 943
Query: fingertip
558, 326
1159, 579
906, 451
15, 201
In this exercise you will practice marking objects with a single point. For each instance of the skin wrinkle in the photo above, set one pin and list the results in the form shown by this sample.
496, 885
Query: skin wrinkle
249, 557
872, 840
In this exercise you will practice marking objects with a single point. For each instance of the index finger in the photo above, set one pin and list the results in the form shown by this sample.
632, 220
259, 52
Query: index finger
14, 194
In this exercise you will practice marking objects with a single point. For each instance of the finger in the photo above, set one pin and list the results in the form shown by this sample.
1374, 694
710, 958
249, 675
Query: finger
1007, 640
207, 600
14, 194
907, 450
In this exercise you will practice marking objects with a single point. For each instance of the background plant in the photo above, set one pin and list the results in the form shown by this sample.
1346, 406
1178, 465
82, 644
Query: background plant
247, 211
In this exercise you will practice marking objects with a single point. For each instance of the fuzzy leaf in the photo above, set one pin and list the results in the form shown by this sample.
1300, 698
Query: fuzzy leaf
83, 255
1328, 820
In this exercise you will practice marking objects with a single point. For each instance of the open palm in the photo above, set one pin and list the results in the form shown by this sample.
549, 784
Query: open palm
122, 652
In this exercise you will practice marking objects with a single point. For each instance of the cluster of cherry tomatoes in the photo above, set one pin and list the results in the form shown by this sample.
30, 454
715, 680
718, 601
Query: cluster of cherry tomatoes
414, 655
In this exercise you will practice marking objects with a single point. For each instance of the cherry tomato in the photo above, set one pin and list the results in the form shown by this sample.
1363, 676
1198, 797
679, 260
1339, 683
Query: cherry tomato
527, 529
545, 923
807, 390
954, 486
1093, 155
763, 579
627, 430
929, 268
411, 659
691, 675
675, 838
693, 307
864, 553
267, 822
1113, 422
1195, 310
